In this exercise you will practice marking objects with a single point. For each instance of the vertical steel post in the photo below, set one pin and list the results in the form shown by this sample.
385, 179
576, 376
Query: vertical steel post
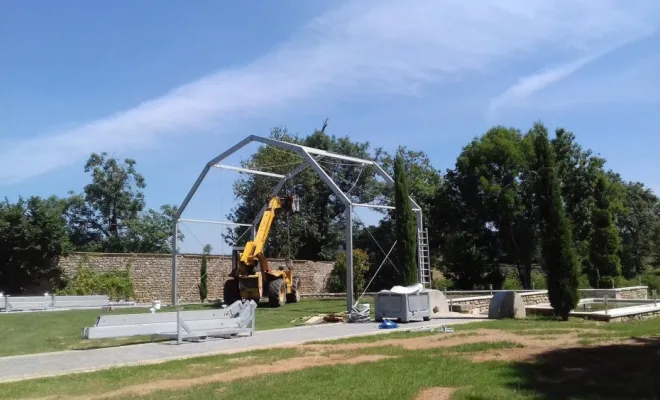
349, 257
178, 325
175, 234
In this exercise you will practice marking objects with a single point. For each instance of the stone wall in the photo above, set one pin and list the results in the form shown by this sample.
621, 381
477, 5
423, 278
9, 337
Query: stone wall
152, 273
480, 304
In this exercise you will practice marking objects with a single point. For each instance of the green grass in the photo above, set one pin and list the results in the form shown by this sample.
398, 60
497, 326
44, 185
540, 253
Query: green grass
112, 379
38, 332
613, 371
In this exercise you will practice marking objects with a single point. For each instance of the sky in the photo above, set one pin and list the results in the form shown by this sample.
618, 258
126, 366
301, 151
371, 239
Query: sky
173, 84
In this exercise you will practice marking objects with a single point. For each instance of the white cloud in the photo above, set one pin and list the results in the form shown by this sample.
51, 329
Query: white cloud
627, 29
363, 48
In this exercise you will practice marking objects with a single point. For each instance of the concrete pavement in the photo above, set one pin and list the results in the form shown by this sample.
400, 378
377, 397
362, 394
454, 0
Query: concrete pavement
66, 362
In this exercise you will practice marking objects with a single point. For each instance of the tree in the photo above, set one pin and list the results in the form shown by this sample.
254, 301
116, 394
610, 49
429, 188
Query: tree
33, 237
637, 222
468, 248
405, 225
577, 170
424, 181
337, 278
605, 241
491, 175
558, 257
317, 231
203, 288
109, 215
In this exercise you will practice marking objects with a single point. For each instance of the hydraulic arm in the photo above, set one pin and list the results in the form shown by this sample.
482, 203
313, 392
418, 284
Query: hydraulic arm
253, 283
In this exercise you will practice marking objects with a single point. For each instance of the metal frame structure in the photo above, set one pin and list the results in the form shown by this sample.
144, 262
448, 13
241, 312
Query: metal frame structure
311, 158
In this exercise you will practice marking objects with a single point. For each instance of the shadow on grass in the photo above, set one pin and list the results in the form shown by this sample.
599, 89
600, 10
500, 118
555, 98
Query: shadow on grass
619, 371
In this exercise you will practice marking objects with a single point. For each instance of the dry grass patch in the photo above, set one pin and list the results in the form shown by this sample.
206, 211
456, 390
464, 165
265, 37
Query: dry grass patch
437, 393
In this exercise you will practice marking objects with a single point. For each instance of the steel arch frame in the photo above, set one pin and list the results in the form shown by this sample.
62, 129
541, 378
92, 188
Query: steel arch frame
310, 156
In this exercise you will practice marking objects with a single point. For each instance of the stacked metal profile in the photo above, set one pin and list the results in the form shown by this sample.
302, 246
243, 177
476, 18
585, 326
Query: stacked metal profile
199, 324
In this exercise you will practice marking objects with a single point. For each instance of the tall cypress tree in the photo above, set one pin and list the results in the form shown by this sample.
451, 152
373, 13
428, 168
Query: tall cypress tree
558, 257
405, 225
605, 242
202, 286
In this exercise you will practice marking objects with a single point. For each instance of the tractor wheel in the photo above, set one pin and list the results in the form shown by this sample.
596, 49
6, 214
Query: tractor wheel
276, 292
230, 292
294, 296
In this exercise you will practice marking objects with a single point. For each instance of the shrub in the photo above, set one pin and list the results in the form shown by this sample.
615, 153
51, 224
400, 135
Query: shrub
583, 282
337, 279
117, 285
511, 281
606, 282
539, 280
442, 284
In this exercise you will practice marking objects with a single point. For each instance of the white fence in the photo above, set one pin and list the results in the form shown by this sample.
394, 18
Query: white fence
52, 302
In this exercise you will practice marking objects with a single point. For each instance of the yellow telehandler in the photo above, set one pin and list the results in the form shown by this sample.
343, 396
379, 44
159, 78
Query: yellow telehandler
251, 277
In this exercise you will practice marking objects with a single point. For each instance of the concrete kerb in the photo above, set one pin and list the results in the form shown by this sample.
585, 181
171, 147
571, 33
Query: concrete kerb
404, 328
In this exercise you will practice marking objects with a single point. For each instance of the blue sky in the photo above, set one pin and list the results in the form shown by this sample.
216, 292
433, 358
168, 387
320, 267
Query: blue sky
172, 84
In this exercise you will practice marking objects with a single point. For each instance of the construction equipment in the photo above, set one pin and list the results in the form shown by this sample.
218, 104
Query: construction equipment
251, 277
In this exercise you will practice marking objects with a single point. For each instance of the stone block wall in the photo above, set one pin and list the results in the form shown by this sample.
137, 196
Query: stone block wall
152, 273
480, 304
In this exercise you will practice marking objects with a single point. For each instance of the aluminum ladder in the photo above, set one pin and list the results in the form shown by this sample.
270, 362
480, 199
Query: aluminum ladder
425, 276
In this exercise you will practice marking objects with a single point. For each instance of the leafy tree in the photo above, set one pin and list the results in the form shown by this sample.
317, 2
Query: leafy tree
637, 221
605, 241
578, 171
109, 215
337, 279
558, 257
317, 232
468, 248
33, 237
423, 179
491, 173
203, 288
405, 225
114, 193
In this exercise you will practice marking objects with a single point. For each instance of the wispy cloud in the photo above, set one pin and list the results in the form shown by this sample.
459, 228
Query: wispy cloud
627, 29
363, 48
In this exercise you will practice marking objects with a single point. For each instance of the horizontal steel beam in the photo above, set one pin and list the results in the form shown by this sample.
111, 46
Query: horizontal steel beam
309, 150
201, 221
363, 205
249, 171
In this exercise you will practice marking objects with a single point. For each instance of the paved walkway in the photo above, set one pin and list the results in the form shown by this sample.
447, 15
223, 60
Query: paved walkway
59, 363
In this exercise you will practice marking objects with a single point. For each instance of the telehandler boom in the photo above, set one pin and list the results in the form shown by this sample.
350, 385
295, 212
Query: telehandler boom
251, 277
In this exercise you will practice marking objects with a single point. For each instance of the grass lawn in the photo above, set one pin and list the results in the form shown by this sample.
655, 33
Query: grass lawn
529, 359
38, 332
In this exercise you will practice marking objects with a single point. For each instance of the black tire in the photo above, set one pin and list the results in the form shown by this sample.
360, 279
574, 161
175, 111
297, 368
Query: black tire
294, 296
277, 292
230, 292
